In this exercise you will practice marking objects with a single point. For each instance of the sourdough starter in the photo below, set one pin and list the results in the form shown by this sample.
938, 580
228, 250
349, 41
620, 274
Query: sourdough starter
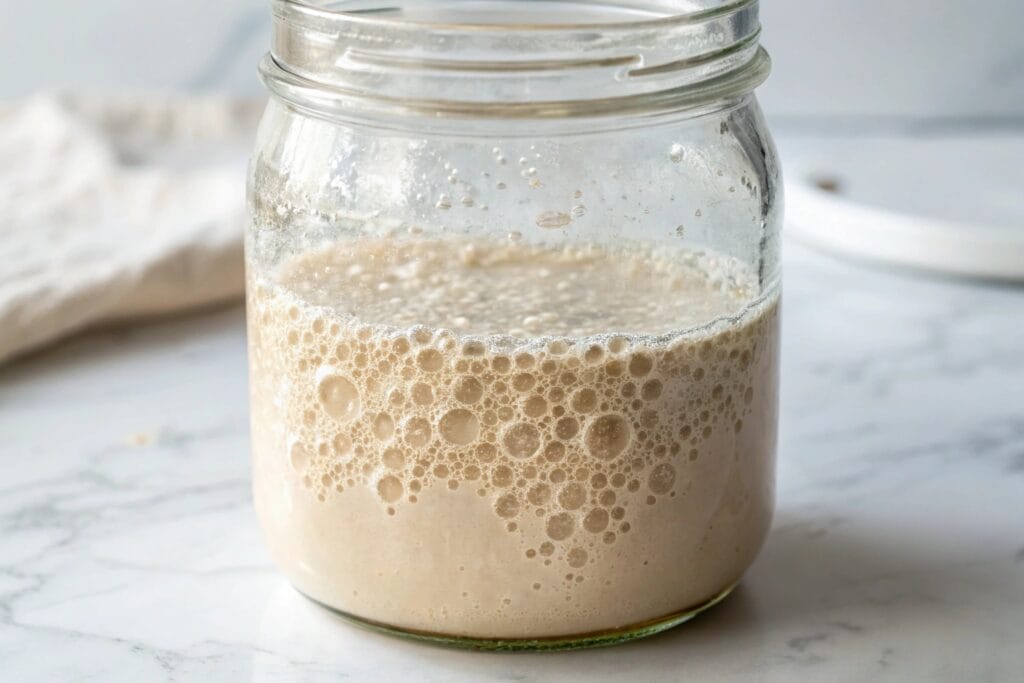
507, 441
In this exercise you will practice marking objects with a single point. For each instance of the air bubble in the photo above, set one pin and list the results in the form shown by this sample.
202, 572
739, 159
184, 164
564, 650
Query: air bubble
339, 398
383, 426
566, 428
524, 381
422, 394
662, 478
577, 557
468, 390
393, 458
342, 444
507, 506
607, 436
554, 451
521, 440
459, 426
596, 521
535, 407
299, 457
584, 401
539, 494
430, 360
390, 489
675, 152
640, 365
417, 432
651, 390
486, 452
560, 526
572, 496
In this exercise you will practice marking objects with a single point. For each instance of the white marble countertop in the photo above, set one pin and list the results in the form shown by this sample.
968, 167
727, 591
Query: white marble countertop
129, 549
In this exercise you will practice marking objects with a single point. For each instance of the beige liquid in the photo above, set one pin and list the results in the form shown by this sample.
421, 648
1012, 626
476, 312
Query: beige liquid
445, 438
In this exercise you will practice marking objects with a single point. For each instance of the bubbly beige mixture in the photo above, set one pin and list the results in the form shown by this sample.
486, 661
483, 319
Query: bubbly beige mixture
506, 441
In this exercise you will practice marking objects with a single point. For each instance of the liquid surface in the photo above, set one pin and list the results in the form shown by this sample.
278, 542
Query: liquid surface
521, 291
507, 441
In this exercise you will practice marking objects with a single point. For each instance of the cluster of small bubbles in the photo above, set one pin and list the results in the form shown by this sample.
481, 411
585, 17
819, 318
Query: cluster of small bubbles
568, 436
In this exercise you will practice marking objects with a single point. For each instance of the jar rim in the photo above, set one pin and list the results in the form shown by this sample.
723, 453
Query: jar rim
703, 10
374, 58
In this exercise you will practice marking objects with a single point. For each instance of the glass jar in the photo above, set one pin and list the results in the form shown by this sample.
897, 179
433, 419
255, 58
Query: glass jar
513, 279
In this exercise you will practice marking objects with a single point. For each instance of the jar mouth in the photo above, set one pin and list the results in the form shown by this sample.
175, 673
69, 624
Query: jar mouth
512, 58
545, 15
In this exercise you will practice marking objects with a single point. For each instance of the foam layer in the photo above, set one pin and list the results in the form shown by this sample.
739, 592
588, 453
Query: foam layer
508, 441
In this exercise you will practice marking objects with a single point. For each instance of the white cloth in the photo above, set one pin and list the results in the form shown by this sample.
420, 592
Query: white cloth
113, 208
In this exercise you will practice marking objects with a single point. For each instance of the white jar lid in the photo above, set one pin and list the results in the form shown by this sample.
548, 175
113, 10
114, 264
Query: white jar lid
945, 203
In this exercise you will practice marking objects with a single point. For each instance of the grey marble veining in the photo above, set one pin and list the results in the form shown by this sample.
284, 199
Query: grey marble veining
129, 550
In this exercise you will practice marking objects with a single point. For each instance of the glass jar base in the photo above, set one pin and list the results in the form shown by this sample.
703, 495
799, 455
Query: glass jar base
555, 643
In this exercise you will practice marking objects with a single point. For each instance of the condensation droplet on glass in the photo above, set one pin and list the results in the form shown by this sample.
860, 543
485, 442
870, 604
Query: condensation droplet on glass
579, 210
552, 220
444, 202
515, 236
467, 201
698, 213
501, 186
522, 161
577, 194
675, 152
680, 230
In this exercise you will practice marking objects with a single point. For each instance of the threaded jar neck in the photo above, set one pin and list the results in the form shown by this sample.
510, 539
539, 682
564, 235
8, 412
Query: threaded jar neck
512, 58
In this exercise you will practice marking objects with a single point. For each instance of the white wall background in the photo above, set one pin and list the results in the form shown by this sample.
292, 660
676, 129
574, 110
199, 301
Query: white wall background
854, 59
